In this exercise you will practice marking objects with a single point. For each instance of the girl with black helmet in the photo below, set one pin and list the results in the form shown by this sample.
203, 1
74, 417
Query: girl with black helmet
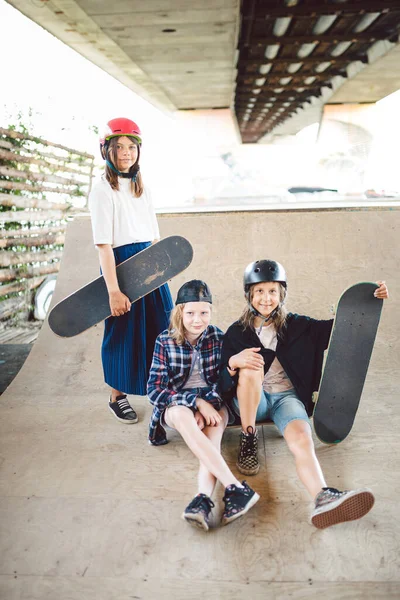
124, 223
182, 387
271, 364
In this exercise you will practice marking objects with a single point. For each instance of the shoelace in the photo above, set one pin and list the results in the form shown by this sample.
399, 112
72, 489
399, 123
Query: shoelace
201, 499
250, 443
332, 492
124, 404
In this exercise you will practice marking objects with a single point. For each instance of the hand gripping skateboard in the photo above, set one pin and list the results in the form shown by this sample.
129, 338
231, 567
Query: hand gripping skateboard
139, 275
349, 353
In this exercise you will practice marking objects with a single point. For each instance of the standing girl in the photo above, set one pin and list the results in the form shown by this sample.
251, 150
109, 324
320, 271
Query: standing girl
183, 390
271, 364
124, 223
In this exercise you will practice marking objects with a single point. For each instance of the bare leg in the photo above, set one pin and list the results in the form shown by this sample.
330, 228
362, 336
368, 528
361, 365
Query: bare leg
248, 395
206, 480
182, 419
114, 394
299, 439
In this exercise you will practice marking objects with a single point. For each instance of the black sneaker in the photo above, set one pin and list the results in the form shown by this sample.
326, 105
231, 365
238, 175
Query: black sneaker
333, 507
122, 410
197, 513
238, 501
247, 462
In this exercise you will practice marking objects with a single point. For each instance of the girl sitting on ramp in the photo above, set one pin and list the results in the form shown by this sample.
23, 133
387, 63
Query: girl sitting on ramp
124, 223
271, 364
182, 387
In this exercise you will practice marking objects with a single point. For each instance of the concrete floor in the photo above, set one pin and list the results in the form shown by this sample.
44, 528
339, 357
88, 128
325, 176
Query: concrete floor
88, 510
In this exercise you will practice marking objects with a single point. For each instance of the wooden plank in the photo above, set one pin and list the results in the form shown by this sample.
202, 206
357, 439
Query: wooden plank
25, 336
18, 335
22, 136
25, 231
77, 587
37, 240
31, 216
8, 333
5, 144
11, 306
9, 172
27, 159
57, 159
9, 259
27, 272
28, 202
15, 185
21, 286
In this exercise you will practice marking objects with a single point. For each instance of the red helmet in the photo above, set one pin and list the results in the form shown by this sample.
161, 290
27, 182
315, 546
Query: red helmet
118, 127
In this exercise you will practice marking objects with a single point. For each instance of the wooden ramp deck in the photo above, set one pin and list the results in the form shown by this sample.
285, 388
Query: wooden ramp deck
90, 511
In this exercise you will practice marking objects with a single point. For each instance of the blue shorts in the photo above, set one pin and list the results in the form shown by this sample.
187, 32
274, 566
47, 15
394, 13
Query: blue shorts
281, 408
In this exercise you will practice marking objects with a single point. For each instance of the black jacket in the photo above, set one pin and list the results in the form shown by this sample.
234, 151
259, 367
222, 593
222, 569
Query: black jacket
300, 352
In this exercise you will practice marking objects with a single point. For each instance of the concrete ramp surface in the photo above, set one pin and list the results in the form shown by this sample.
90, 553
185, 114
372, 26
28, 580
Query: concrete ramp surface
90, 511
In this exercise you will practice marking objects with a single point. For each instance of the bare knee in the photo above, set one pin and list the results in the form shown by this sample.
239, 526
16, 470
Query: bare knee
298, 437
250, 377
177, 416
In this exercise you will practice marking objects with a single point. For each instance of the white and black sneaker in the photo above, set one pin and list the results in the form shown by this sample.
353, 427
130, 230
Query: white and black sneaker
122, 410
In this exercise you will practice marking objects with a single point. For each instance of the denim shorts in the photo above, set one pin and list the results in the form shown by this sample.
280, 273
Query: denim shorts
281, 408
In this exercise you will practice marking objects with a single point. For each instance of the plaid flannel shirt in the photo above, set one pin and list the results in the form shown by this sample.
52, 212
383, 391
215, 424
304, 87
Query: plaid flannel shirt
169, 371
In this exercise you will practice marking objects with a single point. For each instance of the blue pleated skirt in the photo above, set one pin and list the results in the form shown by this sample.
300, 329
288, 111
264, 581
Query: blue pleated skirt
128, 342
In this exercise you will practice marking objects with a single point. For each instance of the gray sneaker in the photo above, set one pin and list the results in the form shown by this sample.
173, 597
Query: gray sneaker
333, 507
247, 462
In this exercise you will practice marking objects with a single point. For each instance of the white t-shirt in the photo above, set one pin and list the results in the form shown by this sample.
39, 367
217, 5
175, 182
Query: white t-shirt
118, 217
275, 379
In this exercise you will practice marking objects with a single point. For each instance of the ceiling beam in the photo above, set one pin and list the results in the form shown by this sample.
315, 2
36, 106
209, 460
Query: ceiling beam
298, 79
316, 59
282, 96
320, 8
328, 38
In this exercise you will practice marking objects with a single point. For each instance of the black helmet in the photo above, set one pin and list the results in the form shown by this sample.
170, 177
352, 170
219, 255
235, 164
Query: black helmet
194, 291
263, 270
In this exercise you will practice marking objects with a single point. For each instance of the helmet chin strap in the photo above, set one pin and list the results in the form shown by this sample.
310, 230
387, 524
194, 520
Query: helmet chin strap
259, 315
125, 175
265, 319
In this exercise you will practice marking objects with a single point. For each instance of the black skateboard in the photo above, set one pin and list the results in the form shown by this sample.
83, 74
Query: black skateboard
137, 276
349, 353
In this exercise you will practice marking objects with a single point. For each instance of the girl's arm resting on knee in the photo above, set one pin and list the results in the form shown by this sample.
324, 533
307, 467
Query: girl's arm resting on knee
238, 354
119, 303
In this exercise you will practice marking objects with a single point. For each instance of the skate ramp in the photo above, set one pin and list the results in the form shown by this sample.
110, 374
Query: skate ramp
88, 510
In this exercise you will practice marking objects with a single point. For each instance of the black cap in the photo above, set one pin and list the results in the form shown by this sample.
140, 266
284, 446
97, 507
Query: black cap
263, 270
194, 291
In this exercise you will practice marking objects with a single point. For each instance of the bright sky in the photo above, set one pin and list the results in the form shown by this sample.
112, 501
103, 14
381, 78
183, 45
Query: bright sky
69, 96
